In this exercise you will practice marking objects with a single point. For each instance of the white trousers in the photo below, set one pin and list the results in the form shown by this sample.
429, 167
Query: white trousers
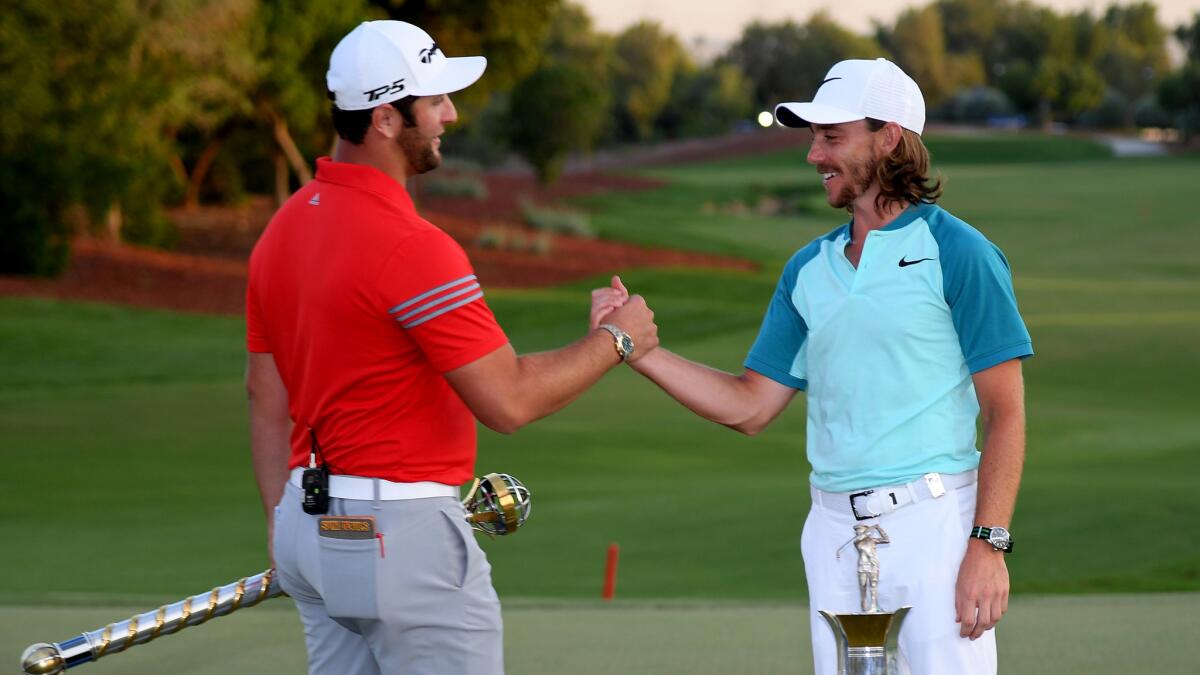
918, 568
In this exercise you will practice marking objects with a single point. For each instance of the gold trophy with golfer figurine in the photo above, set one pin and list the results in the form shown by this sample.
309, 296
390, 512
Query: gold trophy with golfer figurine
867, 642
496, 505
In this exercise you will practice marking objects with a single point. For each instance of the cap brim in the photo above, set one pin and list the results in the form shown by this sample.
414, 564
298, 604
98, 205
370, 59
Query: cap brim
800, 115
459, 73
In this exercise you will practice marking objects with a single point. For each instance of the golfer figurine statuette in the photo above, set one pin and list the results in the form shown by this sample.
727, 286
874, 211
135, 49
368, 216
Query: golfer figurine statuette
867, 642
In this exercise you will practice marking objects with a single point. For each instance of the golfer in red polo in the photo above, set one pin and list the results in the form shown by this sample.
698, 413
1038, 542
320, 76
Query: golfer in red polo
372, 354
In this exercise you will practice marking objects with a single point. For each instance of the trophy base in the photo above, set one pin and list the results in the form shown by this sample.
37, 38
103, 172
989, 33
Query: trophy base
867, 644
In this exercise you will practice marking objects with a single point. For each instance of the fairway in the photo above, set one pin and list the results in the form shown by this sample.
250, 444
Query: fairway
128, 478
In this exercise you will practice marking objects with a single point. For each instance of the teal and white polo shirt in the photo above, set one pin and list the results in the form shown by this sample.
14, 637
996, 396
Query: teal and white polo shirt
886, 351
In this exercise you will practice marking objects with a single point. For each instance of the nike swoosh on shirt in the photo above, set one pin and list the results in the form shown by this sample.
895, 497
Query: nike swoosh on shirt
829, 79
906, 263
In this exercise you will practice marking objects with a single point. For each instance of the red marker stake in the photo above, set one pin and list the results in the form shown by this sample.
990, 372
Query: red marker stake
610, 572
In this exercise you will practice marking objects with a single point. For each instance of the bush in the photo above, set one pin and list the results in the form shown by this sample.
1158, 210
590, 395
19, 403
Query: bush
557, 220
508, 239
975, 106
1110, 114
1148, 113
455, 186
558, 108
34, 234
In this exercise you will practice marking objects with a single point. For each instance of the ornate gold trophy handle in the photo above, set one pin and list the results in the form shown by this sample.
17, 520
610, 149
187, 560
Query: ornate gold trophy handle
44, 658
496, 504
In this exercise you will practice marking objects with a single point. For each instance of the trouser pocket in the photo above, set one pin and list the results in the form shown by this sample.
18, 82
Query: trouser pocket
348, 576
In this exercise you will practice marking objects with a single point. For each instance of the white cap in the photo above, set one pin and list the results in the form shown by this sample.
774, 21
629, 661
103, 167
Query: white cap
857, 89
383, 61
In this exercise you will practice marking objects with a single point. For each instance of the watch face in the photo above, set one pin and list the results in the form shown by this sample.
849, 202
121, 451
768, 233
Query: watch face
999, 537
626, 345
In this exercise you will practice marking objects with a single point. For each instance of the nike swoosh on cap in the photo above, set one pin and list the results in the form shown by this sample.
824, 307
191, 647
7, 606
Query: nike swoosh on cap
829, 79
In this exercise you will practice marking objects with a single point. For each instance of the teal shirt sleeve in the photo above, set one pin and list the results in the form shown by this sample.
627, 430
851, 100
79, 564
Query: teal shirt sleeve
978, 288
783, 332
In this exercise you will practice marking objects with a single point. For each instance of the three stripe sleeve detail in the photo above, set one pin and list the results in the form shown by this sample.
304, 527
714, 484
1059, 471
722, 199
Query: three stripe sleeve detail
437, 301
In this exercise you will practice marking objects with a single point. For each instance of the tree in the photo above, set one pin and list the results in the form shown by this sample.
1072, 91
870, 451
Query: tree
971, 25
78, 130
292, 44
571, 38
706, 101
553, 111
205, 68
1179, 92
919, 43
509, 32
1067, 89
1134, 56
645, 60
786, 61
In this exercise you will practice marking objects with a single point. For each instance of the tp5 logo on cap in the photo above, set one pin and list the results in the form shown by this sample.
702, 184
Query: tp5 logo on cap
382, 61
387, 89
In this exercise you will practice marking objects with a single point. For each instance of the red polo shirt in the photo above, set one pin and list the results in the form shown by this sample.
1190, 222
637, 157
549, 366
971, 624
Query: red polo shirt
364, 305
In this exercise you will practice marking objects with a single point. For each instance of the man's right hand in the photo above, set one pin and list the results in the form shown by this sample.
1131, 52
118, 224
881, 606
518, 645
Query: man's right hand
636, 319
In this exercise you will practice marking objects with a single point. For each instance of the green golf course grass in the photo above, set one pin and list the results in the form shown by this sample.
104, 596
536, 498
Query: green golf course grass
1113, 634
127, 478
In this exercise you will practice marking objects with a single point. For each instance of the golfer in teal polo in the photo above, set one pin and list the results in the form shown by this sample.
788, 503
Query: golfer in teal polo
902, 327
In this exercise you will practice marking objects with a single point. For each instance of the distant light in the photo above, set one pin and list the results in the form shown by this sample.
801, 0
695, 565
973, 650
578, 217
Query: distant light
765, 119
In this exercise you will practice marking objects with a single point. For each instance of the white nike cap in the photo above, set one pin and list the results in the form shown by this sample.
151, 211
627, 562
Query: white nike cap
383, 61
857, 89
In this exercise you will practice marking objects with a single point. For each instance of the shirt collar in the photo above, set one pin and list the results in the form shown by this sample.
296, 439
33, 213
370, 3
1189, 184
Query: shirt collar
364, 177
906, 217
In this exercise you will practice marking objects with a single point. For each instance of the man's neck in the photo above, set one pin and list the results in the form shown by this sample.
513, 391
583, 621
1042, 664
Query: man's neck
867, 217
365, 154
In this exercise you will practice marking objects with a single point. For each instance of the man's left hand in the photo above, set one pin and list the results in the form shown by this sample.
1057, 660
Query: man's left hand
981, 594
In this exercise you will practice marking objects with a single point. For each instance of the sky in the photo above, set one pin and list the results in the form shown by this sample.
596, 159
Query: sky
722, 22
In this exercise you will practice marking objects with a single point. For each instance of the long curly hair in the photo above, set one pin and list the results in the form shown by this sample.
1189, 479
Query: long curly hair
903, 175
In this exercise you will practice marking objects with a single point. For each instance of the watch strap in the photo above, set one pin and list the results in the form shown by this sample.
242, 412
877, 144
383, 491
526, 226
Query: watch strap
985, 533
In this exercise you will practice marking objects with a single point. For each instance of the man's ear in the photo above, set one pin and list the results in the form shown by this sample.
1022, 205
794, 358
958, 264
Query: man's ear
888, 138
387, 121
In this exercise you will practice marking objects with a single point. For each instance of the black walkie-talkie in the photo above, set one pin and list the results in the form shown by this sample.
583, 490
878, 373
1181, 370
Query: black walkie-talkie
315, 481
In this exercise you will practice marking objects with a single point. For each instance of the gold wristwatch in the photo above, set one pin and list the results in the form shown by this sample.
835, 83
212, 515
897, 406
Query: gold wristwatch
624, 343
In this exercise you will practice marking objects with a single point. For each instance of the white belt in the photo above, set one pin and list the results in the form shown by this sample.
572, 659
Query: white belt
867, 504
367, 489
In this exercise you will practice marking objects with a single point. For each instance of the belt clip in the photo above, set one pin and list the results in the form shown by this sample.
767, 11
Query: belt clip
934, 481
854, 508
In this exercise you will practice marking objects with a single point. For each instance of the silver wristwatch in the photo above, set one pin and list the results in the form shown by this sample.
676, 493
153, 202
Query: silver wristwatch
624, 343
998, 537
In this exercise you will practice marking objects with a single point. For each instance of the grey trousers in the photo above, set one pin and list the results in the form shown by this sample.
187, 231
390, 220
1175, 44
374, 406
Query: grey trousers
417, 600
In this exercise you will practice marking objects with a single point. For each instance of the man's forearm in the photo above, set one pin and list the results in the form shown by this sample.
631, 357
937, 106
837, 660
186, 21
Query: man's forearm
548, 381
1000, 468
713, 394
1001, 393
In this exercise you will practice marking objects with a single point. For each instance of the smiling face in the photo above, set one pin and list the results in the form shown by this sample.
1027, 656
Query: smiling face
421, 143
846, 157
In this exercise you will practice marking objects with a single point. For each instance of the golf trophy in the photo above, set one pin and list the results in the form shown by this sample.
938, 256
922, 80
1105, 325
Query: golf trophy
867, 642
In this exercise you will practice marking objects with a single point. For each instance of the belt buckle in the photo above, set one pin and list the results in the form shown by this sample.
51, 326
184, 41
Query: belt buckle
854, 508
